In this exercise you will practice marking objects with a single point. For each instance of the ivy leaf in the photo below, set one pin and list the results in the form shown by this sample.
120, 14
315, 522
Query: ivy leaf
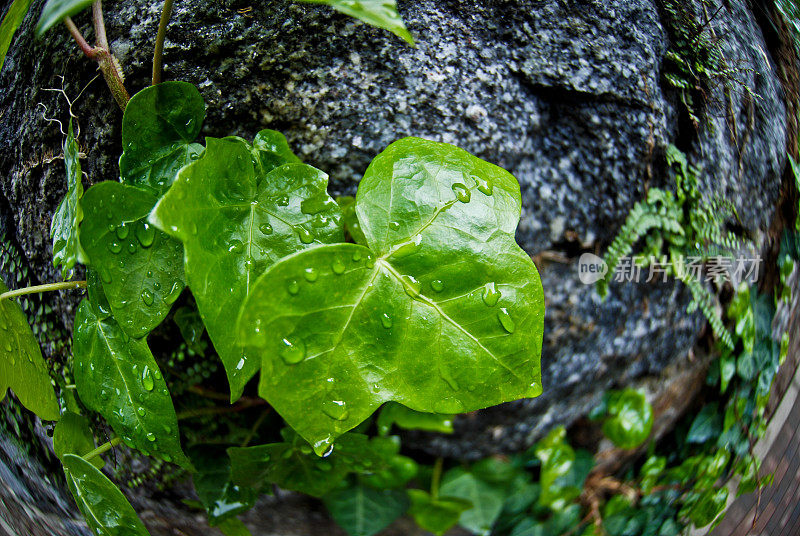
350, 219
436, 515
55, 11
487, 499
118, 377
394, 413
68, 215
190, 325
364, 511
380, 13
96, 294
158, 128
72, 435
234, 224
22, 367
630, 418
104, 507
706, 426
141, 267
293, 466
221, 498
11, 21
271, 150
443, 313
557, 458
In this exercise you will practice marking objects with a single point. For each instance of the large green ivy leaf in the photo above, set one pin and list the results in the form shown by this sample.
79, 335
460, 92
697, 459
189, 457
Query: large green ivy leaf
22, 367
72, 435
158, 128
436, 514
11, 21
234, 224
118, 377
487, 499
55, 11
380, 13
443, 313
141, 267
364, 511
293, 466
68, 215
221, 498
104, 507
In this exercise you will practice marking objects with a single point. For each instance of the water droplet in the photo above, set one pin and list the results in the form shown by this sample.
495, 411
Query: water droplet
407, 248
319, 220
147, 297
328, 451
114, 247
145, 234
128, 441
448, 406
411, 285
190, 123
151, 436
293, 287
157, 374
311, 274
491, 295
336, 410
131, 247
193, 228
394, 226
122, 231
437, 285
386, 320
292, 352
103, 394
140, 411
157, 285
338, 267
506, 321
306, 236
166, 457
147, 379
240, 364
462, 192
357, 255
174, 292
167, 429
236, 246
485, 186
282, 201
105, 275
265, 228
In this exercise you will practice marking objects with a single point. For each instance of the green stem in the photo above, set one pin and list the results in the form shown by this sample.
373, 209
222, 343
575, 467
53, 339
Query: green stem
158, 53
99, 25
102, 448
436, 478
43, 288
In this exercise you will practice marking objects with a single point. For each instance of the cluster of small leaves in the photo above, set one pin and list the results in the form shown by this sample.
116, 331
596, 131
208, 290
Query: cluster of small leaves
684, 223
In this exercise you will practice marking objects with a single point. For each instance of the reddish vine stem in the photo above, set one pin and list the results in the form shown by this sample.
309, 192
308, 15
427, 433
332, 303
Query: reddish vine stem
99, 25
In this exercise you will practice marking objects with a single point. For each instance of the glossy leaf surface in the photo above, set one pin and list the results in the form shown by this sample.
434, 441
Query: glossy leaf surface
443, 313
104, 507
11, 21
158, 128
190, 325
221, 498
72, 435
292, 465
270, 150
351, 225
630, 418
141, 267
379, 13
22, 367
234, 224
117, 377
437, 515
364, 511
55, 11
68, 215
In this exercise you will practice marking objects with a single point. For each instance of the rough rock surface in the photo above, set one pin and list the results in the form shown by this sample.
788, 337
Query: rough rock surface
567, 95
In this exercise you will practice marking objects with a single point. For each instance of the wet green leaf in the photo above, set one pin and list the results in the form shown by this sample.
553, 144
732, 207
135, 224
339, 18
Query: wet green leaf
68, 215
442, 314
141, 267
72, 435
393, 413
190, 325
380, 13
629, 418
234, 224
706, 426
487, 499
55, 11
96, 294
104, 507
117, 377
398, 471
221, 498
364, 511
437, 515
350, 219
22, 367
158, 128
557, 458
11, 21
270, 150
292, 464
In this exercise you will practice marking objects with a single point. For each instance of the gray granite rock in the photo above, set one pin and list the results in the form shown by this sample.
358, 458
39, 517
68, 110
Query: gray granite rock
568, 95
